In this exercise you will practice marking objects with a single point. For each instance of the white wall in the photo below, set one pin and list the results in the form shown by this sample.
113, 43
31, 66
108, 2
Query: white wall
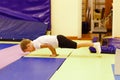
66, 17
116, 18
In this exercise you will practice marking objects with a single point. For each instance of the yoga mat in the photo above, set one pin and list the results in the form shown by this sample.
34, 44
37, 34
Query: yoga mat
31, 69
2, 45
9, 55
117, 77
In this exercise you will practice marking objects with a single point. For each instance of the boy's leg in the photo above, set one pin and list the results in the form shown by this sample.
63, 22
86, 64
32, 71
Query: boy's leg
96, 45
84, 44
67, 43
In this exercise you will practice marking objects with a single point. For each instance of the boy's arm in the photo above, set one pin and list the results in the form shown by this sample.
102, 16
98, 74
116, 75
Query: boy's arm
52, 49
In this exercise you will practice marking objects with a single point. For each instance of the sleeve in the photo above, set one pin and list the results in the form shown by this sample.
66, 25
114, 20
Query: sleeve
36, 44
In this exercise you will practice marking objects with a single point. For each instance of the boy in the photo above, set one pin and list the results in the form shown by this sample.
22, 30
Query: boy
52, 42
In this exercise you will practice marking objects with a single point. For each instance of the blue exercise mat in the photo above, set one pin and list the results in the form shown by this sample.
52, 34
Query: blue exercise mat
117, 77
31, 69
3, 45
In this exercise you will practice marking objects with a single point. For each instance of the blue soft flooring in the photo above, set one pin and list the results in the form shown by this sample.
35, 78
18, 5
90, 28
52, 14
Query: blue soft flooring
31, 69
3, 45
117, 77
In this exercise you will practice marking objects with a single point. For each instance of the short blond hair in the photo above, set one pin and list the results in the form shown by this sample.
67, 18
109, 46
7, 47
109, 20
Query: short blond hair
23, 44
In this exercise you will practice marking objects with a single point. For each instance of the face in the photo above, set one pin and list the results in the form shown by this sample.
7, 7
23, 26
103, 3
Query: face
29, 48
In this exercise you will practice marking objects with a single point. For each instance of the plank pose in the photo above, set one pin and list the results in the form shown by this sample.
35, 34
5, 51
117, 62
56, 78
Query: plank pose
52, 42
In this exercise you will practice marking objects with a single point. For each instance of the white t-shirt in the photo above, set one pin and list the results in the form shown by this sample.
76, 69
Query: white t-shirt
52, 40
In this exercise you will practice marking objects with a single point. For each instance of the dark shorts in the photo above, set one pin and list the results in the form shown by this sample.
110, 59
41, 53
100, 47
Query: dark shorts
63, 42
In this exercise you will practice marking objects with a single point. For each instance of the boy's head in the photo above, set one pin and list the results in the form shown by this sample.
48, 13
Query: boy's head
26, 45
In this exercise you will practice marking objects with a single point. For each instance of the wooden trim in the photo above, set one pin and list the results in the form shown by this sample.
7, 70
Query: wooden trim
72, 37
76, 38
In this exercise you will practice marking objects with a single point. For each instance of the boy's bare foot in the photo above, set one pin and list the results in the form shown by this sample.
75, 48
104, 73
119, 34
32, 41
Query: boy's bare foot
54, 55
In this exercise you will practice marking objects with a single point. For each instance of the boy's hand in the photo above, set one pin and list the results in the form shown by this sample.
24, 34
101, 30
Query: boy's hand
54, 55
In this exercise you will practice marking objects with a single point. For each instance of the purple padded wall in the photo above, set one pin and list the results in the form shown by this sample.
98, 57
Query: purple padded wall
13, 29
32, 10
